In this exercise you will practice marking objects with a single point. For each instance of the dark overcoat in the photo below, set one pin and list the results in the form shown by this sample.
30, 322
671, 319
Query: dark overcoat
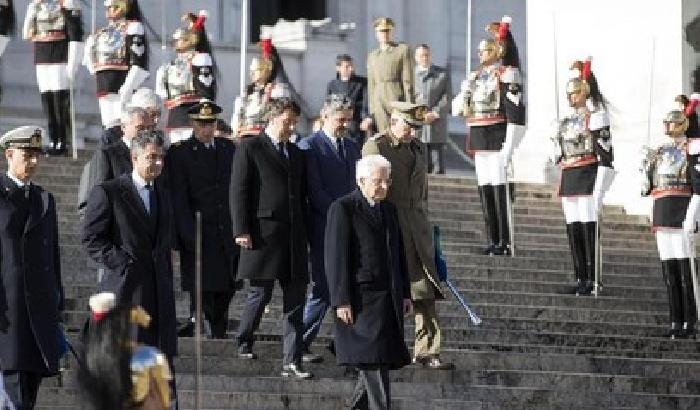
107, 162
356, 90
268, 202
329, 177
31, 295
366, 269
199, 181
136, 254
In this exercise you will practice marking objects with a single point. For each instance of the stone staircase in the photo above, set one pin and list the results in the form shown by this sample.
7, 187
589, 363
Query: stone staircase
538, 347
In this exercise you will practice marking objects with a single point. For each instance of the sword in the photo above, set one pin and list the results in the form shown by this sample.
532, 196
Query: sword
598, 277
198, 311
441, 266
511, 217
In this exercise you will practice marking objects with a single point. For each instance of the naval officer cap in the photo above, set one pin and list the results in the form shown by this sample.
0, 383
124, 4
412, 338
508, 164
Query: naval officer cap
383, 24
413, 114
27, 137
204, 111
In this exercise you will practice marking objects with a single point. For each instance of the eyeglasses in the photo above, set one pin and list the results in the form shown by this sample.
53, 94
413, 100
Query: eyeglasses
379, 181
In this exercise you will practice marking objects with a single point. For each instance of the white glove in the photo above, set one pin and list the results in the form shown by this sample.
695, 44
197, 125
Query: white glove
691, 215
75, 55
598, 200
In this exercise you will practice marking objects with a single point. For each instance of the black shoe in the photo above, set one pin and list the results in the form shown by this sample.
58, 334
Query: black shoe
308, 357
489, 250
245, 351
688, 332
501, 250
674, 332
295, 371
585, 288
350, 372
433, 362
187, 329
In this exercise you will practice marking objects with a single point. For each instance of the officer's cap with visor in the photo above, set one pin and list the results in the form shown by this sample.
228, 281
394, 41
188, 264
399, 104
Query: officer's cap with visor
27, 137
204, 111
412, 114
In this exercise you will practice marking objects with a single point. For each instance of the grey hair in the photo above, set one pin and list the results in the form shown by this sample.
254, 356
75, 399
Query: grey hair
129, 112
366, 165
145, 137
335, 103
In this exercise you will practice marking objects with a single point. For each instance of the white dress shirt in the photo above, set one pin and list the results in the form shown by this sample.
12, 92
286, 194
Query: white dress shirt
276, 143
140, 184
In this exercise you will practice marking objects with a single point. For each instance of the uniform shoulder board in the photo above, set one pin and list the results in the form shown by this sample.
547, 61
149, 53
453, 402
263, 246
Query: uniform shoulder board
201, 59
377, 137
510, 75
598, 119
135, 28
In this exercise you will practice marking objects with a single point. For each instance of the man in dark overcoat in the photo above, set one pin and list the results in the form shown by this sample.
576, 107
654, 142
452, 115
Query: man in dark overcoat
330, 167
268, 208
128, 231
369, 283
31, 294
199, 170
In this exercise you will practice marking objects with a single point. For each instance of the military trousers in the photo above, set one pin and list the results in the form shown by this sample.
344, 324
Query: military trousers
428, 333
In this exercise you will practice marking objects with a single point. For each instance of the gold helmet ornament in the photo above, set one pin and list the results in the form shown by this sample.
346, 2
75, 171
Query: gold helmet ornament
492, 49
188, 36
676, 121
122, 5
264, 63
578, 88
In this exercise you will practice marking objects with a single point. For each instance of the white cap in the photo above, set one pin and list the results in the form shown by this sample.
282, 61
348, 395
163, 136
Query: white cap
25, 137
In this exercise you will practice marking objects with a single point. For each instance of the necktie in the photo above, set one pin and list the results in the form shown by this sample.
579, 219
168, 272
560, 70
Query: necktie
341, 148
376, 212
280, 148
151, 199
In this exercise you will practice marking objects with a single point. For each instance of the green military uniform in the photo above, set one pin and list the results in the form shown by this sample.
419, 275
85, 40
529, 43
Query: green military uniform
390, 77
409, 193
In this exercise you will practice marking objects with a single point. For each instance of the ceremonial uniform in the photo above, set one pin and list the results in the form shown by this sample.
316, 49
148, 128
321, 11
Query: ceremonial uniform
31, 293
55, 28
188, 78
491, 101
118, 57
667, 181
200, 176
585, 156
7, 23
409, 194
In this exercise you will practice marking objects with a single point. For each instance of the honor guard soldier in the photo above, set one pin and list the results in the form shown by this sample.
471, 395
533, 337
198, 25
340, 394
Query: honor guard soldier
249, 111
585, 156
666, 180
116, 373
199, 170
188, 78
118, 57
55, 27
31, 296
389, 73
7, 25
491, 101
409, 194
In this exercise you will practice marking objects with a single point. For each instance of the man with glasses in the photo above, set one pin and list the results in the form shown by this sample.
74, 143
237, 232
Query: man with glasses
409, 194
368, 283
199, 171
331, 155
268, 208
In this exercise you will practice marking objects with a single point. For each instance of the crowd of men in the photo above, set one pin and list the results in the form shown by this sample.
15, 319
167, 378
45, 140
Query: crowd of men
308, 213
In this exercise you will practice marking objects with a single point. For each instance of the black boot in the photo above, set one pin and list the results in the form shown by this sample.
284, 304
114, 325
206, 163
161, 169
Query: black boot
574, 231
672, 277
589, 259
488, 206
62, 107
501, 199
690, 313
48, 103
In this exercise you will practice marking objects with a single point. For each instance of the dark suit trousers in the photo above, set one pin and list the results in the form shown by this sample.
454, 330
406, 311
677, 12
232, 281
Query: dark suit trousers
372, 391
440, 149
215, 310
293, 296
22, 388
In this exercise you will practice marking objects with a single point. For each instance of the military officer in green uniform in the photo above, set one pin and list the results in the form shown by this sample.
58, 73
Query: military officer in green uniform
390, 73
409, 193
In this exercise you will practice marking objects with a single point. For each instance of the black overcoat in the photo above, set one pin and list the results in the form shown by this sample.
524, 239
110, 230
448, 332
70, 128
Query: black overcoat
366, 269
31, 295
268, 202
199, 181
135, 253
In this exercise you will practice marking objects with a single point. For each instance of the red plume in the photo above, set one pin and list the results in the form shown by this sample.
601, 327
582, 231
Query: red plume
503, 28
692, 104
267, 47
201, 18
586, 71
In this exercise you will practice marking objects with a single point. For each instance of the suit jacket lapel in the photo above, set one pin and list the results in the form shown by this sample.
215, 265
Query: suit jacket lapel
364, 210
38, 204
134, 202
273, 152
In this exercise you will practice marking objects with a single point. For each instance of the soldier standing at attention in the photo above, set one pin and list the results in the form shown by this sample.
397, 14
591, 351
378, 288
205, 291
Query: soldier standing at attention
389, 73
409, 194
